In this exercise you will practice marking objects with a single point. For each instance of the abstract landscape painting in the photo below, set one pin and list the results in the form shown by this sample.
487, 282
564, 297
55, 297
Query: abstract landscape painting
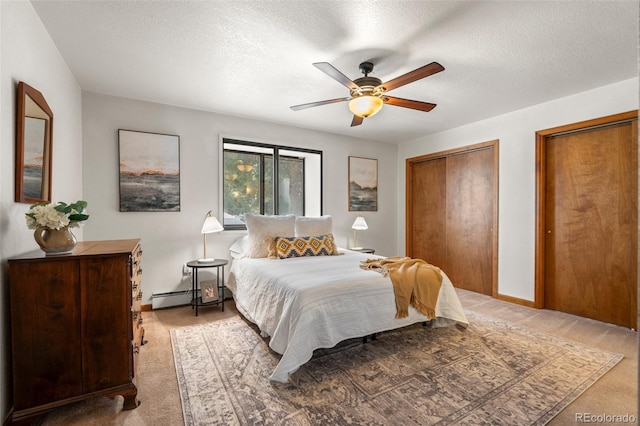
363, 184
149, 172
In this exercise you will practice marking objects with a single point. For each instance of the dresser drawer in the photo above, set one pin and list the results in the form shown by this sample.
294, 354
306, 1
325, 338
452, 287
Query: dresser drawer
136, 357
136, 301
137, 256
135, 287
138, 331
136, 265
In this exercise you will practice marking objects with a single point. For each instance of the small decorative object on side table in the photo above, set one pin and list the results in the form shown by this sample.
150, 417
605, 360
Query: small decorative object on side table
211, 288
363, 250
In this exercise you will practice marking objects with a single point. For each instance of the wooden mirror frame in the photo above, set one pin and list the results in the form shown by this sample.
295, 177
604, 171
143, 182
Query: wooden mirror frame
29, 157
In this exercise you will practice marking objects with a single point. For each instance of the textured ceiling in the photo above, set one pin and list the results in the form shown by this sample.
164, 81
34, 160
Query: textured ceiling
254, 58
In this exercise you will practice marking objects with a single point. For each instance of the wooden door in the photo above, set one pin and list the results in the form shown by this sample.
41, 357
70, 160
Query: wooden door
470, 214
452, 214
428, 213
590, 222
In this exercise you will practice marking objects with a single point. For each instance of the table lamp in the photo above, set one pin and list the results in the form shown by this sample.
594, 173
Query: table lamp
359, 224
210, 225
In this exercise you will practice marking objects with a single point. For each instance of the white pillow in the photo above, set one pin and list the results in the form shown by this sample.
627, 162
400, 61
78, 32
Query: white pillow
263, 229
240, 247
311, 226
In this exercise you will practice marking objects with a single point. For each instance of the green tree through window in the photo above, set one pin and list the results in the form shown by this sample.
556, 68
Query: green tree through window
250, 171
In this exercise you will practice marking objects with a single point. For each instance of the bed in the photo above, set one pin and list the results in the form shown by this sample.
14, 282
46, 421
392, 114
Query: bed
312, 302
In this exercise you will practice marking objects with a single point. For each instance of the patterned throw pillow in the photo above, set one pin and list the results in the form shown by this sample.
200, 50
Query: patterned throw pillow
321, 245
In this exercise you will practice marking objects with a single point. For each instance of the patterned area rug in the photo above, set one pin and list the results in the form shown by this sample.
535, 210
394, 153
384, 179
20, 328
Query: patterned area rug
492, 373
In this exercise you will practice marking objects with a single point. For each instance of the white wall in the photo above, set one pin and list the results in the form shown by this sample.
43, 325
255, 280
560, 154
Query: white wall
170, 239
85, 139
29, 55
516, 133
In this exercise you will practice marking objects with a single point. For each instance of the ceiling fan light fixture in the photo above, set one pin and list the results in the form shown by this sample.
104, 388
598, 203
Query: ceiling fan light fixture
368, 94
365, 106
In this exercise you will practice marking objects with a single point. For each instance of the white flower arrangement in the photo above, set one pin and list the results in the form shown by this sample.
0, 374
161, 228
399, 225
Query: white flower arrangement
56, 216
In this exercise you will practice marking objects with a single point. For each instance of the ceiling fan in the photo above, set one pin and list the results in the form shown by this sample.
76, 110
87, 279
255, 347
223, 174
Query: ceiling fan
368, 94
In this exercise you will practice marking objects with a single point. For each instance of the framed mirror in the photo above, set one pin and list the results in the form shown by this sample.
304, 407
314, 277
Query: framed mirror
34, 143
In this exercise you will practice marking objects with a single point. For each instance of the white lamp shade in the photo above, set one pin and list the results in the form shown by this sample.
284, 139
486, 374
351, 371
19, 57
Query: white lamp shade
360, 224
210, 225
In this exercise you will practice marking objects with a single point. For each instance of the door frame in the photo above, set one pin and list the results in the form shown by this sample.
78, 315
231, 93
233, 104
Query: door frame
541, 139
409, 164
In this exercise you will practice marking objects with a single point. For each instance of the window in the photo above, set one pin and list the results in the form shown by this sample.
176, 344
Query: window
250, 171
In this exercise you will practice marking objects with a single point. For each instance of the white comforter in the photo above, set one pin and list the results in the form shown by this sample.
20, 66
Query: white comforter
308, 303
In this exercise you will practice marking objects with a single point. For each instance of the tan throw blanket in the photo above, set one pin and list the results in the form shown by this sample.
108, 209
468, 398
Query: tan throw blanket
414, 281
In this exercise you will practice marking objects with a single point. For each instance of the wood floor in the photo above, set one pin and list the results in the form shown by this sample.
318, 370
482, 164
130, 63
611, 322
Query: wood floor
616, 393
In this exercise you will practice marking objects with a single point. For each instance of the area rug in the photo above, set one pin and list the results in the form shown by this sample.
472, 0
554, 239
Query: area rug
492, 373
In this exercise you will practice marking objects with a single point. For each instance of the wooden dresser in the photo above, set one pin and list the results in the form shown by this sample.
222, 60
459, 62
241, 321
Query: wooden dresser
76, 328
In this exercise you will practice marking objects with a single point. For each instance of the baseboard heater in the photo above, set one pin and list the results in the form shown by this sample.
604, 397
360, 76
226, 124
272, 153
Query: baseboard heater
170, 299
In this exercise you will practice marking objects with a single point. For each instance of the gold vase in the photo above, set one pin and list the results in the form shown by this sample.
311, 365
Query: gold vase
55, 241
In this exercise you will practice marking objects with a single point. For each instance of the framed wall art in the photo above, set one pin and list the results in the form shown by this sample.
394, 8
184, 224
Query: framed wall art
149, 172
363, 184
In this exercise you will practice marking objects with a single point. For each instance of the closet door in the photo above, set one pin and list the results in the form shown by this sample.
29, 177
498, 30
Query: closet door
452, 214
469, 227
590, 222
428, 228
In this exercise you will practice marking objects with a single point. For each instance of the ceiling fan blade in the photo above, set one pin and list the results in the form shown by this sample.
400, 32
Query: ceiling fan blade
408, 103
332, 72
315, 104
412, 76
357, 120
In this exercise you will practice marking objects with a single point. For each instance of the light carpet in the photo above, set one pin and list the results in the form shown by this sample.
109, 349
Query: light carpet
494, 372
